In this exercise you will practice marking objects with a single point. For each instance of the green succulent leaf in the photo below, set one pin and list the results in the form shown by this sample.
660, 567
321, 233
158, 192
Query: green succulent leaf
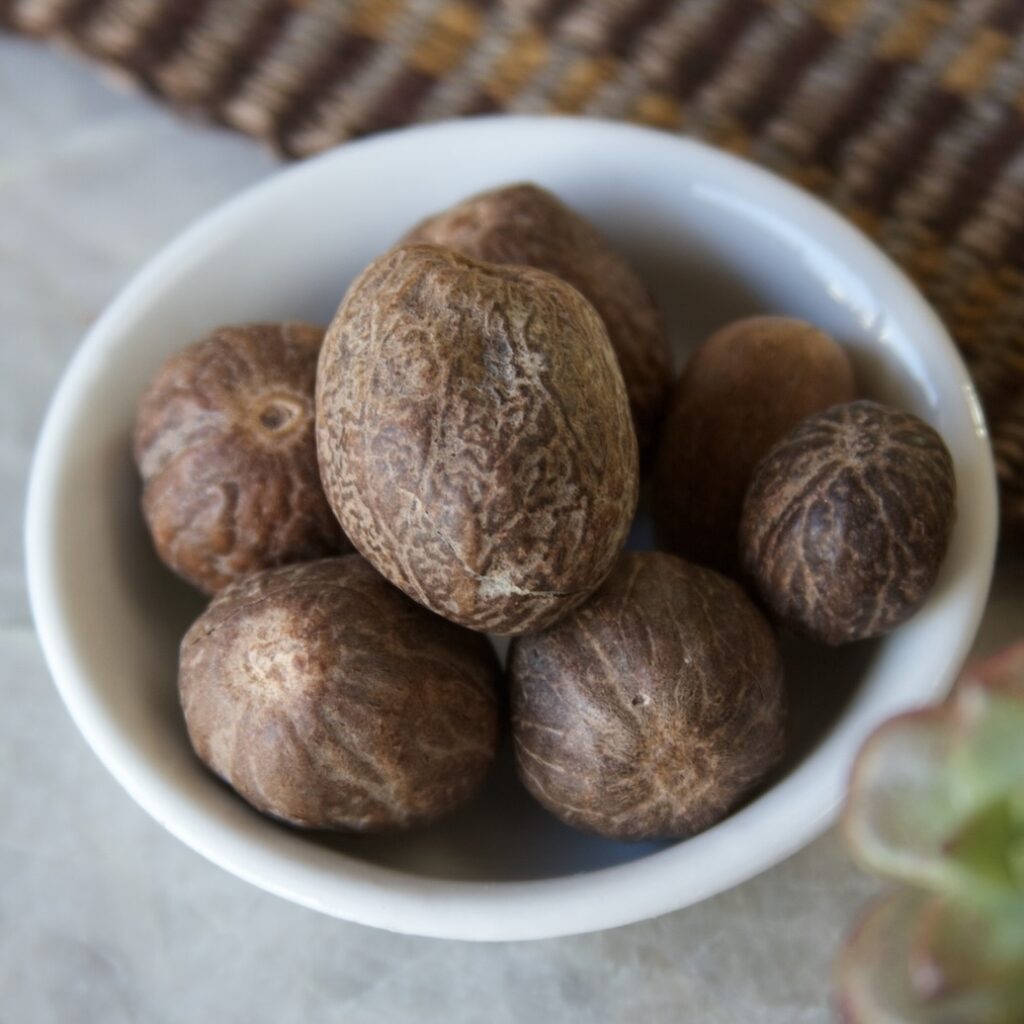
937, 800
937, 797
1015, 855
988, 753
987, 846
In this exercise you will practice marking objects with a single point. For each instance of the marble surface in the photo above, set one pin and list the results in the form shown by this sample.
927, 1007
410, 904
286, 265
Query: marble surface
104, 917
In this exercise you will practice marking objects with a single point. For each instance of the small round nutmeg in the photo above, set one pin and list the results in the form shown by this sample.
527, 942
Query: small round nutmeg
528, 225
847, 521
474, 437
744, 387
650, 711
224, 442
328, 699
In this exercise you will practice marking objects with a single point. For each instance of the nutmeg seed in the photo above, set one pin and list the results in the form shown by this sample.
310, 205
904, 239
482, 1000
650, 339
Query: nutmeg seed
474, 437
650, 711
224, 442
744, 387
847, 521
528, 225
328, 699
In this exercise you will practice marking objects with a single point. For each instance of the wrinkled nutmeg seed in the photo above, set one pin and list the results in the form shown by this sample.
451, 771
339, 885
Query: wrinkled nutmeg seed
224, 442
528, 225
847, 521
474, 437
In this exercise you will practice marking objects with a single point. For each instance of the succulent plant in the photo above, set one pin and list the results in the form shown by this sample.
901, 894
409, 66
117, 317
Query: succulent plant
937, 802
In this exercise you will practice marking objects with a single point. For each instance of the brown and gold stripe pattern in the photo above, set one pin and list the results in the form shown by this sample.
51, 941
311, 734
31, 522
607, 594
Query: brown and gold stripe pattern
908, 115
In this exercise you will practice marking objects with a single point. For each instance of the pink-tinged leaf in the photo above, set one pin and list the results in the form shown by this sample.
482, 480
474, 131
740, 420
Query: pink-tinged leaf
1002, 672
937, 799
936, 796
901, 812
874, 983
955, 950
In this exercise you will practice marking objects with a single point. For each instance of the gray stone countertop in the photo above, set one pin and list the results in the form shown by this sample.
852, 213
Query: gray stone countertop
104, 917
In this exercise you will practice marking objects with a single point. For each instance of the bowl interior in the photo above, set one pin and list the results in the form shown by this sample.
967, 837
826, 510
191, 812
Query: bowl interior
715, 239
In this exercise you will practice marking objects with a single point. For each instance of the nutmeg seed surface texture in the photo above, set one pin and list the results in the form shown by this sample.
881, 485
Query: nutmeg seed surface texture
328, 699
224, 442
529, 225
650, 711
474, 437
847, 521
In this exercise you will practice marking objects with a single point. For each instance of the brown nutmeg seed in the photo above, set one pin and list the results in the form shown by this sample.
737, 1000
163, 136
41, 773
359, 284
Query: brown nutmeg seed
847, 521
744, 387
328, 699
474, 437
528, 225
651, 710
224, 442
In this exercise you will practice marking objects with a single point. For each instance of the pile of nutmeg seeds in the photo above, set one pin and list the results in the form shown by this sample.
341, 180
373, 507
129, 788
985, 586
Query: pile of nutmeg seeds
474, 424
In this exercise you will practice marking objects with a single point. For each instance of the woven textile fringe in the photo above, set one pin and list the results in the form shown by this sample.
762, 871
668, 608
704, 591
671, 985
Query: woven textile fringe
907, 115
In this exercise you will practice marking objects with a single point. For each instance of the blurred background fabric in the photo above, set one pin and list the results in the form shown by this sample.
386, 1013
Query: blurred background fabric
906, 115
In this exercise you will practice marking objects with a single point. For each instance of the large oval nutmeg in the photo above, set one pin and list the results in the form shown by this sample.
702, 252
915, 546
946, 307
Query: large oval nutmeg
328, 699
743, 388
529, 225
649, 712
847, 521
474, 437
225, 446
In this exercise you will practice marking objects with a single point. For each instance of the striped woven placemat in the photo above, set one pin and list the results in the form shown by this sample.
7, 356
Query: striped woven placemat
907, 115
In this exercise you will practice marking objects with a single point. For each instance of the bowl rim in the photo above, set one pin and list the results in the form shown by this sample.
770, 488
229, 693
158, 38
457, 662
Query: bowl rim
737, 849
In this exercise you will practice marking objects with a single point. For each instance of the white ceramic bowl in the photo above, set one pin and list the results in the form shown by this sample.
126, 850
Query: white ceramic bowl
715, 238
